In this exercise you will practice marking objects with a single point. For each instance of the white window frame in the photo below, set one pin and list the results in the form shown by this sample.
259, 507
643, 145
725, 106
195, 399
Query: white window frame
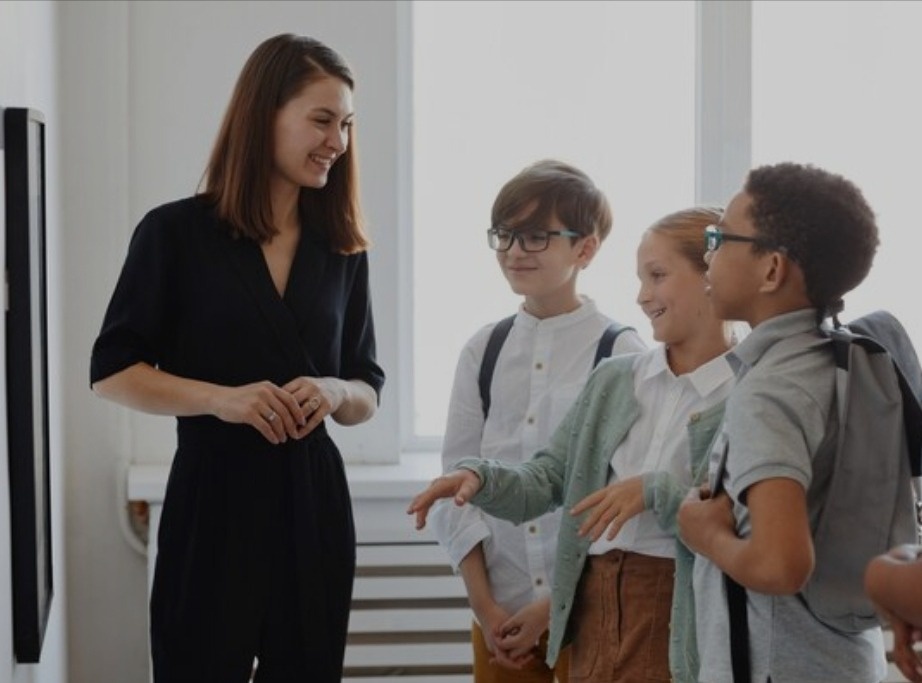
722, 149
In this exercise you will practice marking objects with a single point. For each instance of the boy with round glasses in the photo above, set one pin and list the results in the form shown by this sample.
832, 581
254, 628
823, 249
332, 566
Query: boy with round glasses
549, 222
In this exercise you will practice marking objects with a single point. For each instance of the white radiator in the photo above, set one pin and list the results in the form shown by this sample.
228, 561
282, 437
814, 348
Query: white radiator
410, 619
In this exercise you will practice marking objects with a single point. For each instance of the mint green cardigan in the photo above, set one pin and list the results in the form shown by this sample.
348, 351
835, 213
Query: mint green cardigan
573, 465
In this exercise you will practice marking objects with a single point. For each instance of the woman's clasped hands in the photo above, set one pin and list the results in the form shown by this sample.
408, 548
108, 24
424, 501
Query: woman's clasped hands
279, 413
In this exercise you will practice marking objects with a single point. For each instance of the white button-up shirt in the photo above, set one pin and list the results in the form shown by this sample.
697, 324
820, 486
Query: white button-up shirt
658, 439
540, 370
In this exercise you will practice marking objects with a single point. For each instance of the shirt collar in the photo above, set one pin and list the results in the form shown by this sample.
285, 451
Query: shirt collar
704, 379
586, 309
767, 333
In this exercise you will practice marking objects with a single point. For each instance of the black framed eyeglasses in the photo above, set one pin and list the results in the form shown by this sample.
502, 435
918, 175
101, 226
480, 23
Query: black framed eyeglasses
714, 237
531, 241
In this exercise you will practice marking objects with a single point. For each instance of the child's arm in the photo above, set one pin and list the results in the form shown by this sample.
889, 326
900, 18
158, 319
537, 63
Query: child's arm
894, 582
776, 558
490, 615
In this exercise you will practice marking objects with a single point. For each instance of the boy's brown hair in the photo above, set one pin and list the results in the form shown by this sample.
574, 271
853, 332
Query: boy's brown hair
558, 189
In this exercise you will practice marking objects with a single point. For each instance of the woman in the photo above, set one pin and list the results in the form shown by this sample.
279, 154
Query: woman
621, 462
244, 311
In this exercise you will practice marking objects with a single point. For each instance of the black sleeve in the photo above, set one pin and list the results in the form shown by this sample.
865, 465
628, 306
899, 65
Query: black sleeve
358, 340
137, 318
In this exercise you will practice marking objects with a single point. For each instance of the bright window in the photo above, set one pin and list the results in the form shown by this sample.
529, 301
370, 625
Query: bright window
835, 84
606, 86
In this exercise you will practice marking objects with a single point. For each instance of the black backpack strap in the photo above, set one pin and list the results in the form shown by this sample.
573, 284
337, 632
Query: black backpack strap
739, 631
488, 364
607, 341
498, 337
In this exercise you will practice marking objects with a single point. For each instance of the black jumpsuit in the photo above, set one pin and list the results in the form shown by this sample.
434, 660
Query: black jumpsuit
256, 545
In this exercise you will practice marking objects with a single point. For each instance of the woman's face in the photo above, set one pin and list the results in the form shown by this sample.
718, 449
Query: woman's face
311, 133
672, 290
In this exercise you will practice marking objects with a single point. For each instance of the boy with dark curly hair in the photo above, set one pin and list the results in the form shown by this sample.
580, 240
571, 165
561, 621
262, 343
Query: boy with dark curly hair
788, 247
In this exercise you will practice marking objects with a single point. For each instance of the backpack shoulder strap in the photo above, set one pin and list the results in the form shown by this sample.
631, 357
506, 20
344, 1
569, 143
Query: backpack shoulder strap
607, 341
879, 332
498, 338
738, 611
488, 364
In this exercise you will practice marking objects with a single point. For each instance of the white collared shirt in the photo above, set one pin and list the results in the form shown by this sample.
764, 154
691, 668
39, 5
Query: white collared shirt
658, 439
540, 371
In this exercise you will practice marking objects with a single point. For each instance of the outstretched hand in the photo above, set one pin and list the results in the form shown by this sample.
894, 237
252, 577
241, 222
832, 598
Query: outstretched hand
610, 508
460, 484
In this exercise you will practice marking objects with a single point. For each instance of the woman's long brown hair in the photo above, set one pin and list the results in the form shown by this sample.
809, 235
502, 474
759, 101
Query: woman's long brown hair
240, 167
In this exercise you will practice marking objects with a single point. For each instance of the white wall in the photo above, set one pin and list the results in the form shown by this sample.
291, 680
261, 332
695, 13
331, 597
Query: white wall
28, 69
144, 85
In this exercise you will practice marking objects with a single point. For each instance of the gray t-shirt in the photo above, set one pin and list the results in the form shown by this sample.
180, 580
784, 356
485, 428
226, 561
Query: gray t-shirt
780, 421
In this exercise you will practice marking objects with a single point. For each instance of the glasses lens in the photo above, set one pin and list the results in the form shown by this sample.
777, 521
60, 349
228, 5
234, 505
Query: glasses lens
534, 240
499, 239
711, 238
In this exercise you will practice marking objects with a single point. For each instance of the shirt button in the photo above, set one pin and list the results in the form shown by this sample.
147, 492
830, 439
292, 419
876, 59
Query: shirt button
531, 420
532, 529
539, 366
538, 582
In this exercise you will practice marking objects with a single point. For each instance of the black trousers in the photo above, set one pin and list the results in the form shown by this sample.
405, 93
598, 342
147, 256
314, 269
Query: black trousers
256, 561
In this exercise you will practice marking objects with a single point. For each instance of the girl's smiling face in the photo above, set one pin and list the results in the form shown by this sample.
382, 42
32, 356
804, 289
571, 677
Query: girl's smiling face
672, 290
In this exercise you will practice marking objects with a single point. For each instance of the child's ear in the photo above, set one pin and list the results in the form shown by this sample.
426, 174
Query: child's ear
588, 250
777, 272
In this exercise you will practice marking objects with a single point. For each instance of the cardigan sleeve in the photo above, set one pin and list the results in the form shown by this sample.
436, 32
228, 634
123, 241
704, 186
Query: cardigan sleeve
663, 493
520, 492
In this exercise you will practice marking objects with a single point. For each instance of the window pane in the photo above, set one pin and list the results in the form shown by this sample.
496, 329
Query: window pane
606, 86
833, 86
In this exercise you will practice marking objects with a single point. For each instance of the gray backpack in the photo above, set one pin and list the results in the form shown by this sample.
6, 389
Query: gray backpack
873, 502
873, 499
